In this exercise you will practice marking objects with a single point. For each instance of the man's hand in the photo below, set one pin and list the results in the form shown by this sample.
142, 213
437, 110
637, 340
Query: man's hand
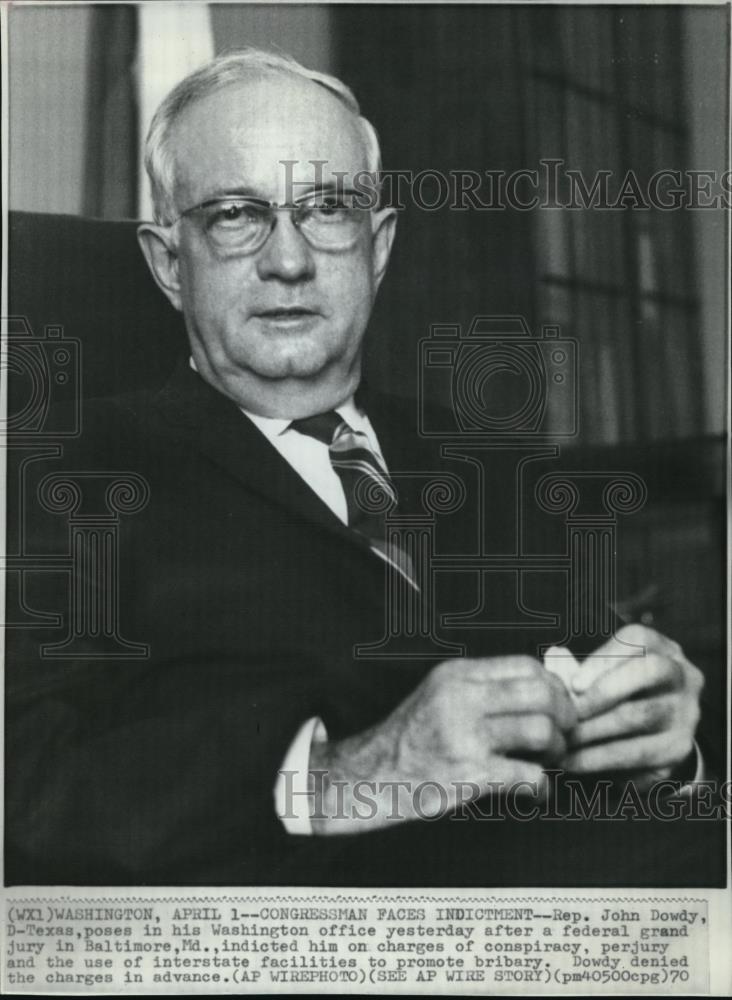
469, 725
637, 713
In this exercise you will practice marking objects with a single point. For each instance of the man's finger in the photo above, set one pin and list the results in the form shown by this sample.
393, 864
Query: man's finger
536, 693
518, 695
636, 753
634, 641
482, 670
644, 715
564, 709
628, 679
509, 772
535, 737
517, 684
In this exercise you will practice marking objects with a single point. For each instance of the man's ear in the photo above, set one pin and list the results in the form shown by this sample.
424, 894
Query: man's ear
384, 232
159, 251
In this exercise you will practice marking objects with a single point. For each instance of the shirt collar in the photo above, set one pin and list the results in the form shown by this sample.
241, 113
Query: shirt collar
274, 427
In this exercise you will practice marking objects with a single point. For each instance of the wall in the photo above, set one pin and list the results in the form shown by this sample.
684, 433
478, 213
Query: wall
47, 82
303, 31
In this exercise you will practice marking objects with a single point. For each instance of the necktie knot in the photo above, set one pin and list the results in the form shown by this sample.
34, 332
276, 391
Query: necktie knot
321, 426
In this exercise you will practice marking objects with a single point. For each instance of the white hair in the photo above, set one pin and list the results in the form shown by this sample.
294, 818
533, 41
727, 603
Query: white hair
226, 69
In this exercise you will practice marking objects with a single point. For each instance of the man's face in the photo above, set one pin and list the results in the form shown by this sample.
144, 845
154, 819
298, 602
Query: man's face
279, 330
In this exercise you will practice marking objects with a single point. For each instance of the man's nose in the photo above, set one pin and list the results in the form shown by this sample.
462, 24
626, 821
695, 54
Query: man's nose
286, 254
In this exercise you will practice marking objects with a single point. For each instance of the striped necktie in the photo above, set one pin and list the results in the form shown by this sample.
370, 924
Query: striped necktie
361, 475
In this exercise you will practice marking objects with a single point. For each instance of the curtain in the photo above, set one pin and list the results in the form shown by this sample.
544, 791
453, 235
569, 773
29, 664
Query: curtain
110, 168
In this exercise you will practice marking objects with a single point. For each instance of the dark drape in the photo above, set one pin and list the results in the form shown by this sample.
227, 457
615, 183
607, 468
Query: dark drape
111, 163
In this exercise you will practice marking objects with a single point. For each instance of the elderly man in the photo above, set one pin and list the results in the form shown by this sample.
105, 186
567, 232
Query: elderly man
233, 751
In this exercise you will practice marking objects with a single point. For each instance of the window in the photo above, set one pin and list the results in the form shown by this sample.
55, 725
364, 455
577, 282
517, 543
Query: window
603, 93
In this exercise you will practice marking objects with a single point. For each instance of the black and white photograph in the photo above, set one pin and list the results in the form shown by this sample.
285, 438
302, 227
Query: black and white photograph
365, 427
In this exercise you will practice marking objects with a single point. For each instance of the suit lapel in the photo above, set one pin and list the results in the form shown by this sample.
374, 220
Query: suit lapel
223, 434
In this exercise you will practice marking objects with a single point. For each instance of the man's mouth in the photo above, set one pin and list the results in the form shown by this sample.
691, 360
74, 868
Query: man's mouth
287, 312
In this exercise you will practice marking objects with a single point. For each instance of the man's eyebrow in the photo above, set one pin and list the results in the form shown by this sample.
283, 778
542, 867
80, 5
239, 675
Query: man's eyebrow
240, 191
304, 190
307, 188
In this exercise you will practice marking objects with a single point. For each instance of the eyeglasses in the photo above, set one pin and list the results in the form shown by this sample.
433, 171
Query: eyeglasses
243, 225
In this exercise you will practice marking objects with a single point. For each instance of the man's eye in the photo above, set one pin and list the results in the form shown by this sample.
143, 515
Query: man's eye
233, 214
329, 209
329, 206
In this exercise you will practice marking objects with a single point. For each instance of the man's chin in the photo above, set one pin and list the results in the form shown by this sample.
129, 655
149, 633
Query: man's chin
293, 367
293, 357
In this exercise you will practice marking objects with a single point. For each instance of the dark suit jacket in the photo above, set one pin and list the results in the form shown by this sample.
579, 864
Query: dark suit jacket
251, 596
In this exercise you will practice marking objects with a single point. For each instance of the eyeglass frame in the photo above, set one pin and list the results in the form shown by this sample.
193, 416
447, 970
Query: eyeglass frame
272, 208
